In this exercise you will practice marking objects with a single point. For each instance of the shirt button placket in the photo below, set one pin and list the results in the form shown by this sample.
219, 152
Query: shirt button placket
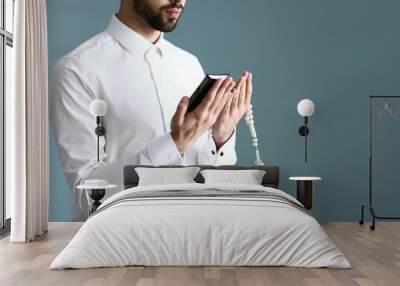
150, 57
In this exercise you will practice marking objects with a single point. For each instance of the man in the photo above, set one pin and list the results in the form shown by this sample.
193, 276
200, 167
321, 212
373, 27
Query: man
145, 82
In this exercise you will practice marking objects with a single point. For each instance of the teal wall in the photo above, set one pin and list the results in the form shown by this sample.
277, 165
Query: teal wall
333, 52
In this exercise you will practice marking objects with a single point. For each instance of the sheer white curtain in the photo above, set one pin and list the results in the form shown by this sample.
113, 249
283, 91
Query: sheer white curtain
27, 124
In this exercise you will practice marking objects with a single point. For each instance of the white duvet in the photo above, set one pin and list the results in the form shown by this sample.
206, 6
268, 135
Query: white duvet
200, 231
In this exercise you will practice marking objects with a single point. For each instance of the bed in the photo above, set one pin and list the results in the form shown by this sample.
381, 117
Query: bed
198, 224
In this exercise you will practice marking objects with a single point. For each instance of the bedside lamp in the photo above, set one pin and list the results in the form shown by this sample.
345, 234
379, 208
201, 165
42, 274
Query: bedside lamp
305, 108
98, 108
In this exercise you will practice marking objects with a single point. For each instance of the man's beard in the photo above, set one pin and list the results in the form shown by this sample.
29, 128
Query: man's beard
156, 19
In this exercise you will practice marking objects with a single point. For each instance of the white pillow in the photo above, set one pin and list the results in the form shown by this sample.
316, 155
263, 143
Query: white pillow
249, 177
162, 176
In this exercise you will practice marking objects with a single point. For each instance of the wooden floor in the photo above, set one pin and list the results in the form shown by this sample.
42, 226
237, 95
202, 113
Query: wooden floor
375, 257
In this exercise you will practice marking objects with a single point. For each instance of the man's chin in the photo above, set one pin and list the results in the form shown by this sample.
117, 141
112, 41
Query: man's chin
163, 24
168, 28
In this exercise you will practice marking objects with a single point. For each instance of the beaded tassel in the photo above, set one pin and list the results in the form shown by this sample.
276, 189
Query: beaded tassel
250, 123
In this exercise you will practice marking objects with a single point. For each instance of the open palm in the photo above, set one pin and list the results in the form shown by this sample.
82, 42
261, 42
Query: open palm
234, 109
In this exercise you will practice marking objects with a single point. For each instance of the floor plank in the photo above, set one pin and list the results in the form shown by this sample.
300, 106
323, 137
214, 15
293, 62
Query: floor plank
375, 257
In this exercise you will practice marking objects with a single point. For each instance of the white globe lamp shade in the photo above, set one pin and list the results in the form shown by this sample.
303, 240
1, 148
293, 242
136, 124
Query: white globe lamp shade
98, 107
305, 107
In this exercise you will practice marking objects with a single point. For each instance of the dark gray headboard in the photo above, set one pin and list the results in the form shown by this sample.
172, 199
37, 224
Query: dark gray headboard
271, 177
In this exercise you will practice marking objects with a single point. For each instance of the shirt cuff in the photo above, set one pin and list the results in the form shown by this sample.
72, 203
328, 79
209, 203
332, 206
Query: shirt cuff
226, 154
163, 151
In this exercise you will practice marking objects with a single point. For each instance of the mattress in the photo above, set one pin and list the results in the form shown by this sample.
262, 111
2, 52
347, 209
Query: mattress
201, 225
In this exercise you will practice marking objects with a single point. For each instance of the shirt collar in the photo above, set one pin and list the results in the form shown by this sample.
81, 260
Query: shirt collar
131, 40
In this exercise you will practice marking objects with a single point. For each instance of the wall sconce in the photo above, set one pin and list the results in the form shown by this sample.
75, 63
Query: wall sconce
306, 109
98, 108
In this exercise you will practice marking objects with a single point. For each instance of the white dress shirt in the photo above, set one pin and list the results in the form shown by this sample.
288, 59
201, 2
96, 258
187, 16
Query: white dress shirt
141, 84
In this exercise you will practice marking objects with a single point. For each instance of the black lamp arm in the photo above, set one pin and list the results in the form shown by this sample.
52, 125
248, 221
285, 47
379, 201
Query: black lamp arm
100, 131
304, 131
